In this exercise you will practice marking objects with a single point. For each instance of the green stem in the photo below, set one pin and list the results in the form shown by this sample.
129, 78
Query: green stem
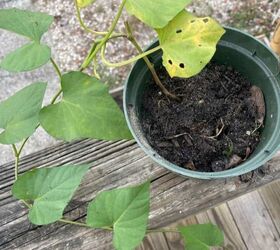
17, 152
164, 230
151, 67
23, 144
95, 72
56, 68
16, 160
26, 204
108, 35
90, 55
78, 12
129, 61
74, 223
82, 224
56, 96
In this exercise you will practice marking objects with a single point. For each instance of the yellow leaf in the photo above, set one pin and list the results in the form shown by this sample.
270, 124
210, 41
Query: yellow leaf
188, 43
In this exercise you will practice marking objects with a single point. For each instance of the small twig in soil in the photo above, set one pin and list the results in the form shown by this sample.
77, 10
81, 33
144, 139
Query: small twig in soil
161, 101
224, 87
257, 128
227, 78
248, 152
176, 136
219, 132
230, 95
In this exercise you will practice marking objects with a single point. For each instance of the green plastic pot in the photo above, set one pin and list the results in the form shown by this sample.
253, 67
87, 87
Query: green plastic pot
252, 59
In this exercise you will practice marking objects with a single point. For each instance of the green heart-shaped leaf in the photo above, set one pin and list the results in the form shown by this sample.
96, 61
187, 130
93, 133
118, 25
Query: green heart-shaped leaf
188, 44
26, 23
50, 189
19, 114
125, 210
30, 56
156, 13
202, 236
86, 111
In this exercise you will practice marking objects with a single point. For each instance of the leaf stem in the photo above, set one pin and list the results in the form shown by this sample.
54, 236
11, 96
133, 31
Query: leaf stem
151, 67
78, 13
90, 56
108, 36
74, 223
56, 68
82, 224
56, 96
129, 61
22, 145
26, 203
164, 230
16, 154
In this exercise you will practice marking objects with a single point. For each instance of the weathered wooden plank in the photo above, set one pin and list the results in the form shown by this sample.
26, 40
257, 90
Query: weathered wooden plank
155, 241
222, 217
112, 165
254, 222
271, 198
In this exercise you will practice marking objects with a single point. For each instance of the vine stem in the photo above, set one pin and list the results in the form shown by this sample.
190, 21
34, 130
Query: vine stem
164, 230
108, 34
151, 67
56, 96
73, 223
82, 224
56, 68
129, 61
16, 154
89, 57
86, 28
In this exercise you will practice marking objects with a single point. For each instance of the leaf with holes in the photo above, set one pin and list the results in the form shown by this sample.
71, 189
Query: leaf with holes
26, 23
50, 189
84, 3
19, 114
156, 13
201, 237
188, 44
86, 111
28, 57
125, 210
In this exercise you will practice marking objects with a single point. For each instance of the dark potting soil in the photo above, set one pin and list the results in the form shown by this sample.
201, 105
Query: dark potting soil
214, 127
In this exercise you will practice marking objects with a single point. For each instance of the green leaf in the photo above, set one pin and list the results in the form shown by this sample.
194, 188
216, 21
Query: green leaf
201, 237
125, 210
156, 13
188, 43
84, 3
30, 24
86, 111
19, 114
29, 57
50, 189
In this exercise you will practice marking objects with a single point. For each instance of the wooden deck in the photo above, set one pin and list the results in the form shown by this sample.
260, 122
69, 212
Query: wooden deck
251, 221
173, 198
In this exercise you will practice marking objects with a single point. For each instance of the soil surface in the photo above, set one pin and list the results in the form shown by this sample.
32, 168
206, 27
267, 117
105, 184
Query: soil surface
214, 127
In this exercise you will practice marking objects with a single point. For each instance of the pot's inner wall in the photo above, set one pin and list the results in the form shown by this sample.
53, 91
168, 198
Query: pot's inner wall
242, 60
